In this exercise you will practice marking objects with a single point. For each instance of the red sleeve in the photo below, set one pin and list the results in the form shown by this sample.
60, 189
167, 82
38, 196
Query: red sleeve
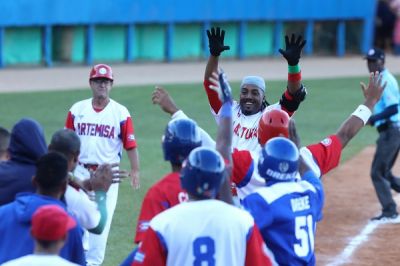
69, 122
212, 95
127, 134
242, 167
257, 252
327, 153
151, 252
151, 206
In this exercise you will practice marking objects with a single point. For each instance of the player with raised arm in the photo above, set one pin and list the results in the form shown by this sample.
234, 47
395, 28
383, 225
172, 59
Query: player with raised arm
252, 102
208, 230
321, 157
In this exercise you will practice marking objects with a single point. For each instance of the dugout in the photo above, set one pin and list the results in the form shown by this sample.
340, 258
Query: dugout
47, 32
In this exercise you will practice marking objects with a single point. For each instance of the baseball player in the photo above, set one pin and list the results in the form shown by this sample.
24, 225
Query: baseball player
92, 215
286, 211
181, 136
50, 225
252, 102
4, 143
104, 127
386, 119
321, 157
50, 180
202, 231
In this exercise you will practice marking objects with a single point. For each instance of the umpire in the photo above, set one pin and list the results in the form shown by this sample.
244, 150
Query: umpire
386, 120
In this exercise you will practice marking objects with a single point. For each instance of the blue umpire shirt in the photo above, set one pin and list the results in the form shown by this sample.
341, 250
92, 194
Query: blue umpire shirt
286, 214
390, 96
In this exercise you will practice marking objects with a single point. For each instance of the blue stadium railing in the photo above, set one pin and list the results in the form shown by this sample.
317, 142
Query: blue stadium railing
48, 13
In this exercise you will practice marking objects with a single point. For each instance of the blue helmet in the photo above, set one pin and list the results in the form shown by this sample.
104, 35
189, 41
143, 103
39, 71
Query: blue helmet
279, 160
202, 173
180, 138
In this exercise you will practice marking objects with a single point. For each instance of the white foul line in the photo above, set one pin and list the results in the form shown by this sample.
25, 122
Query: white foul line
356, 242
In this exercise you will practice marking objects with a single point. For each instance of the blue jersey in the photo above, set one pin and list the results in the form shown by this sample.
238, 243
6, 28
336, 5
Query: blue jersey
286, 214
390, 96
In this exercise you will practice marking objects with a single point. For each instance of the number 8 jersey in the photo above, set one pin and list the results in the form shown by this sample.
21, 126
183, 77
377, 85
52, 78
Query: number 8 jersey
286, 213
204, 232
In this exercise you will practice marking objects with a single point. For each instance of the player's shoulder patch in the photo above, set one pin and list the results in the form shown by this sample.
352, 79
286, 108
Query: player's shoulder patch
326, 142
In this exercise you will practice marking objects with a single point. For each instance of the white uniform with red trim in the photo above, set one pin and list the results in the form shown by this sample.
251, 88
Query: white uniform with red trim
204, 232
245, 127
39, 260
321, 158
103, 133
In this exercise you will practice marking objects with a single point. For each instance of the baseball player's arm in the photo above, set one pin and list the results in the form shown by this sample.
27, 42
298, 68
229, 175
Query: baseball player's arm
161, 97
257, 252
224, 134
151, 252
295, 92
361, 115
134, 161
216, 44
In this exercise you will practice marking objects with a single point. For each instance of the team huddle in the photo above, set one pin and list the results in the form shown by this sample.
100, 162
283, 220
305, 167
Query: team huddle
251, 196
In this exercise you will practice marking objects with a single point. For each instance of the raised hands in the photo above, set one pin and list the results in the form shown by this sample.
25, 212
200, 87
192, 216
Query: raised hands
373, 92
293, 49
161, 97
220, 84
216, 41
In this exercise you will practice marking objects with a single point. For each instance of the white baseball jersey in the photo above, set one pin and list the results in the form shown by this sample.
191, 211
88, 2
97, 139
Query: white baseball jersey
82, 208
39, 260
103, 133
245, 127
204, 232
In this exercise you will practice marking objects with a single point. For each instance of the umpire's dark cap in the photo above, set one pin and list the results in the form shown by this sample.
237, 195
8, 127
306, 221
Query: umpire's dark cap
375, 54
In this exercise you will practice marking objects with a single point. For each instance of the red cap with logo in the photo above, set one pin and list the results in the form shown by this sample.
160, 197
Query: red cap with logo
101, 71
273, 123
50, 223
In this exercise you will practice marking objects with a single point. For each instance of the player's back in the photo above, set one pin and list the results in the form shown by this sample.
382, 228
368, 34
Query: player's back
208, 231
286, 214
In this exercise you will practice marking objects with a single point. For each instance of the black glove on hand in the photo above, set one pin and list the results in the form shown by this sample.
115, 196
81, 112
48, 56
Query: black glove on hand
216, 41
293, 49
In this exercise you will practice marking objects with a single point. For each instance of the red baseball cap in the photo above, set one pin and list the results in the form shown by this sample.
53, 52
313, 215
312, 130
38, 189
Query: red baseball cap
101, 71
50, 223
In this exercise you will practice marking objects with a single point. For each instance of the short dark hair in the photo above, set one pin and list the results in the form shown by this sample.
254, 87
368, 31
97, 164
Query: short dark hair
46, 244
51, 171
4, 139
65, 141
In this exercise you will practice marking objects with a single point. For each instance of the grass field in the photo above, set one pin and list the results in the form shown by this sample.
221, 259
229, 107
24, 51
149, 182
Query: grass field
328, 103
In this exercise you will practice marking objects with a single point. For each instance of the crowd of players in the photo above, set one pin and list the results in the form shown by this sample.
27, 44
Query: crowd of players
252, 196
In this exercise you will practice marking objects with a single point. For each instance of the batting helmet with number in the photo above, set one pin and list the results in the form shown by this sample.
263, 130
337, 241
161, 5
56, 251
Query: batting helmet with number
273, 123
180, 138
279, 160
202, 173
101, 71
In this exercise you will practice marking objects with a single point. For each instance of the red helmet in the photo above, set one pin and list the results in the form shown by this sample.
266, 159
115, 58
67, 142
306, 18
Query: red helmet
273, 123
101, 71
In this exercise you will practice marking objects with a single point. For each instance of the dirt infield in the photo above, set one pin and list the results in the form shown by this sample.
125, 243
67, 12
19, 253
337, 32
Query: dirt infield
345, 236
57, 78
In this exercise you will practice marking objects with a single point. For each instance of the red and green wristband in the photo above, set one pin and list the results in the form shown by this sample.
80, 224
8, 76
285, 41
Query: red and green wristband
294, 73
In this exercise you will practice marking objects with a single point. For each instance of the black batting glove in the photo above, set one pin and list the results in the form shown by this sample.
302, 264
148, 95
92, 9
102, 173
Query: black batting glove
293, 49
216, 41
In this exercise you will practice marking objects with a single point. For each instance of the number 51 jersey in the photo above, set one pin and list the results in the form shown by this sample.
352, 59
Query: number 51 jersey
204, 232
287, 213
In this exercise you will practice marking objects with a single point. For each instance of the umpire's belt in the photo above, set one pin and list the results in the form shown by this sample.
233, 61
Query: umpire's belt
385, 126
89, 166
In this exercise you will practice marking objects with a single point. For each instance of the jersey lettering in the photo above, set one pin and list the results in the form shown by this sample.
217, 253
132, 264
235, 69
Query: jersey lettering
244, 132
304, 233
204, 251
89, 129
300, 204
